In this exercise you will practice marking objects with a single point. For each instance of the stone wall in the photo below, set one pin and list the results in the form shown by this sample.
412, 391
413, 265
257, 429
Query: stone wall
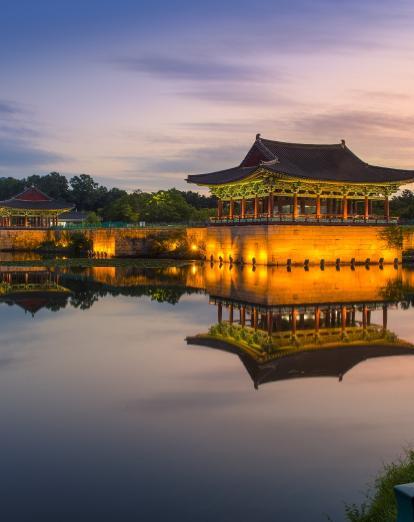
275, 244
267, 244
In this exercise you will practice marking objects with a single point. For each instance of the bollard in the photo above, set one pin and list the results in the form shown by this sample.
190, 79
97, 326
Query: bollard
404, 494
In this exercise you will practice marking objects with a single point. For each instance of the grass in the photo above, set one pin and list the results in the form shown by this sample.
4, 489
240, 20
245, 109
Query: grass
380, 504
87, 262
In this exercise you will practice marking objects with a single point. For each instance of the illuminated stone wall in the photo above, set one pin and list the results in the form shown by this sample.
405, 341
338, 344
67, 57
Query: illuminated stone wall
272, 245
275, 244
275, 286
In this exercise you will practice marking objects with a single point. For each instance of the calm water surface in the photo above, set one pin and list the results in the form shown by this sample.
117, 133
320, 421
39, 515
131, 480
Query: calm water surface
117, 405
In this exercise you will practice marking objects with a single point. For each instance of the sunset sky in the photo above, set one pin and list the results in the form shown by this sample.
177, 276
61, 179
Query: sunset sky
140, 93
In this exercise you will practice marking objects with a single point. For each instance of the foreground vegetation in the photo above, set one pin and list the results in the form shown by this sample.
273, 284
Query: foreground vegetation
380, 504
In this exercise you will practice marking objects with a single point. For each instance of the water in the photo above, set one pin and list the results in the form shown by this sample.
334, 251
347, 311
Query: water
116, 405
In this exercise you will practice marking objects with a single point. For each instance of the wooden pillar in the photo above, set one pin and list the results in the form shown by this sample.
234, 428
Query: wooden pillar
243, 208
231, 209
387, 208
279, 204
370, 207
345, 207
318, 206
317, 318
385, 317
256, 207
364, 317
343, 317
270, 205
295, 206
366, 208
219, 313
302, 205
255, 318
26, 222
219, 209
293, 329
231, 314
269, 322
243, 315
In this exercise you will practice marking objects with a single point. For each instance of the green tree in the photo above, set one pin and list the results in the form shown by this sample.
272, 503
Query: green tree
403, 204
54, 185
84, 192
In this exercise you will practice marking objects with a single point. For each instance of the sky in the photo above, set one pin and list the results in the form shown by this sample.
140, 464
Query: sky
140, 93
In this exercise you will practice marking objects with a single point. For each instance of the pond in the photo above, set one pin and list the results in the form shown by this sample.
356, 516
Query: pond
200, 393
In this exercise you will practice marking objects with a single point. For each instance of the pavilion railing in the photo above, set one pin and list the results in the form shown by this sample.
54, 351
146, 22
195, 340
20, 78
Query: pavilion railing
304, 218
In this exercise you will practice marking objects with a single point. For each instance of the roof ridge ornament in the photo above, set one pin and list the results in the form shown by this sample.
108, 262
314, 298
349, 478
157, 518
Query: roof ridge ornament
258, 137
270, 162
343, 144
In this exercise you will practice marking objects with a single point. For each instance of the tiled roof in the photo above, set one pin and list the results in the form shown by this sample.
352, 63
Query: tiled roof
33, 199
316, 162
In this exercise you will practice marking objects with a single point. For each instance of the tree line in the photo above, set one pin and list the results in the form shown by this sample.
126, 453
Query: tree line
115, 204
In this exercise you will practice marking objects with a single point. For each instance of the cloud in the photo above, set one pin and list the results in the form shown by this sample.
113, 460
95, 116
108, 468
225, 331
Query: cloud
18, 147
22, 153
353, 121
8, 108
195, 69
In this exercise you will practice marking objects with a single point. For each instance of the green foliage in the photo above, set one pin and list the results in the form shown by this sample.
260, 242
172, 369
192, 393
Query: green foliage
393, 236
380, 504
403, 205
164, 206
79, 244
93, 218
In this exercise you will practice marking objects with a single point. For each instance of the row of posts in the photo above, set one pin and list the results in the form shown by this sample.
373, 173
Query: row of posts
342, 317
335, 207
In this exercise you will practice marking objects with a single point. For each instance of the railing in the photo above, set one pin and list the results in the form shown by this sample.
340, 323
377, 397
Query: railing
304, 218
122, 224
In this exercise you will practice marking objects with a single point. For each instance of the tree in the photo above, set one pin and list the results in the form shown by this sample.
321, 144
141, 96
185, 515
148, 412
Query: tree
54, 185
84, 192
168, 206
403, 204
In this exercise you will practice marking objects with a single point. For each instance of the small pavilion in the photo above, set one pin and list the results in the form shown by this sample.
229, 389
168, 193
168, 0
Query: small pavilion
279, 181
32, 208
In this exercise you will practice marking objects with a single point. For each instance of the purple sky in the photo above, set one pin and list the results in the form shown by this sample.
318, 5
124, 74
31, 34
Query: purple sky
140, 93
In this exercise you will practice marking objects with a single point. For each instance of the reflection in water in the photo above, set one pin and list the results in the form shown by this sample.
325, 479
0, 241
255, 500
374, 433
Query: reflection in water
106, 392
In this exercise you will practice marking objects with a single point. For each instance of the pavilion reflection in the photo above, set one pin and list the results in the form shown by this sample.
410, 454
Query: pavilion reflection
286, 325
32, 288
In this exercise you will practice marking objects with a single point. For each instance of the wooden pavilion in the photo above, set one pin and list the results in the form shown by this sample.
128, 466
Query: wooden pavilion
32, 208
279, 181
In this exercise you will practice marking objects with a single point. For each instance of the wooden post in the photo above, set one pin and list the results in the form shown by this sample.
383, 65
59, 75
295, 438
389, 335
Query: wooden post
366, 208
219, 209
293, 321
385, 317
231, 314
231, 209
243, 208
343, 317
279, 204
243, 315
295, 206
256, 207
317, 318
219, 313
345, 207
318, 206
269, 322
270, 205
364, 316
387, 208
302, 205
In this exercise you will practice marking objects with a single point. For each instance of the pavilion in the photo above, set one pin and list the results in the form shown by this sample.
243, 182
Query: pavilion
279, 181
32, 208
